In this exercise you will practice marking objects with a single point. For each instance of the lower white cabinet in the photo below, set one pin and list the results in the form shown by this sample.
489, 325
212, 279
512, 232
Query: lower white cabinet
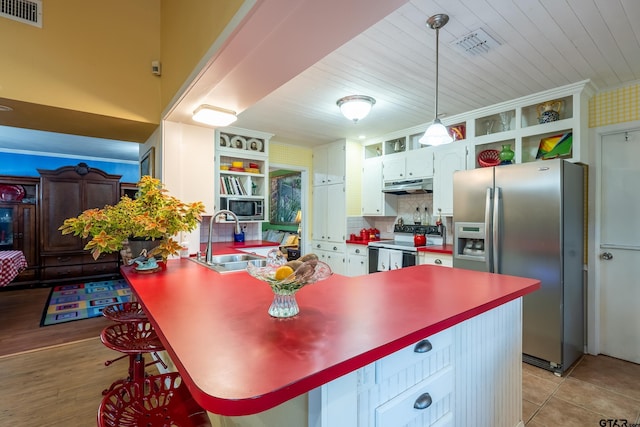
468, 374
357, 260
334, 254
433, 258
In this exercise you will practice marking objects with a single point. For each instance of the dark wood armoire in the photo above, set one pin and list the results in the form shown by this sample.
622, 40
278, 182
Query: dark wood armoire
65, 193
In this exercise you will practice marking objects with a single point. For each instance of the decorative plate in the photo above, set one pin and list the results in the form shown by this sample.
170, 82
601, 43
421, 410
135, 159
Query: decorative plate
254, 144
11, 193
238, 142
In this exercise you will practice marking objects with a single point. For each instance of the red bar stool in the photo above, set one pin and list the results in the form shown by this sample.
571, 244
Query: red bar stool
133, 339
130, 311
161, 400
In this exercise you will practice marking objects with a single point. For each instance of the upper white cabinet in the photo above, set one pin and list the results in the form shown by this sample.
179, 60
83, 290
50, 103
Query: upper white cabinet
408, 165
545, 125
329, 164
537, 127
374, 201
447, 160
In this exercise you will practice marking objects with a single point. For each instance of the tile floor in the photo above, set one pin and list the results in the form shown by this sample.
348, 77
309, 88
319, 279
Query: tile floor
596, 388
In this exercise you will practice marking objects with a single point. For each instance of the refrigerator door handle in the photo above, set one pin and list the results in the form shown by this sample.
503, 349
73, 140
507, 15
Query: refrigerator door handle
496, 229
487, 228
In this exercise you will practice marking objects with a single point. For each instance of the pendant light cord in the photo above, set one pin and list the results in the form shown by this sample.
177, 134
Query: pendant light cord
437, 56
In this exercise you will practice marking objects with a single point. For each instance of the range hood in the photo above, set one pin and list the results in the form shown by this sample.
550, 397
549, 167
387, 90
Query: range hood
408, 186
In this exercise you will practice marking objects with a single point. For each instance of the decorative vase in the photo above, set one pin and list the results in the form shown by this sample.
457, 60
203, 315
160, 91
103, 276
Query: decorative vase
138, 244
284, 305
506, 155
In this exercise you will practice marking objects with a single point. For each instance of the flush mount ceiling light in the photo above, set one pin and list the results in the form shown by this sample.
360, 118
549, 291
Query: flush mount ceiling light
436, 134
214, 116
355, 107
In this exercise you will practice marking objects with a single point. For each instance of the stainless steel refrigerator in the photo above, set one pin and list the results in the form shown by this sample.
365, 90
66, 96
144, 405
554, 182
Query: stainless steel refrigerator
527, 220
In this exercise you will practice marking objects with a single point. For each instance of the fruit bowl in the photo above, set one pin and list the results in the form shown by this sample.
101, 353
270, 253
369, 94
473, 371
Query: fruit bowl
306, 273
287, 278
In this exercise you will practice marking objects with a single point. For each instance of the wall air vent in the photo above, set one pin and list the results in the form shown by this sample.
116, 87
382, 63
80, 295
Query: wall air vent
26, 11
475, 42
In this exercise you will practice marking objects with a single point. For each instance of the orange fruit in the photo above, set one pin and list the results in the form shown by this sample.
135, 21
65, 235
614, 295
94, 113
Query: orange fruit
283, 272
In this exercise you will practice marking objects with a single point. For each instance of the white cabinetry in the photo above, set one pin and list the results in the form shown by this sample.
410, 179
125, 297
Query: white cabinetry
374, 201
333, 254
357, 260
241, 167
447, 159
433, 258
329, 213
408, 165
470, 371
523, 131
329, 164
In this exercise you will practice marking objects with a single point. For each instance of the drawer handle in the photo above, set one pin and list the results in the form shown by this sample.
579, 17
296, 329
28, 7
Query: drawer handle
423, 401
423, 346
438, 261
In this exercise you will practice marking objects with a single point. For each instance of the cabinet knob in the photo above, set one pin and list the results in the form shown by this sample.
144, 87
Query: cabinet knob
423, 401
423, 346
438, 261
357, 251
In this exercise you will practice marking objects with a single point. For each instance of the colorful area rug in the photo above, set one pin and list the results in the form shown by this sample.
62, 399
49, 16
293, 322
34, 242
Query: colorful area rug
83, 300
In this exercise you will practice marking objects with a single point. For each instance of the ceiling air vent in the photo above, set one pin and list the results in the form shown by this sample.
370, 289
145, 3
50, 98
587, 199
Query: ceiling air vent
475, 42
26, 11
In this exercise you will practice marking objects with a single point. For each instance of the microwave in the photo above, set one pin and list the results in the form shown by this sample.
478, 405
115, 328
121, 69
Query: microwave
246, 209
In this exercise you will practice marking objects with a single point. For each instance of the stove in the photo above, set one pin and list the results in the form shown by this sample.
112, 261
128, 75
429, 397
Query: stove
403, 237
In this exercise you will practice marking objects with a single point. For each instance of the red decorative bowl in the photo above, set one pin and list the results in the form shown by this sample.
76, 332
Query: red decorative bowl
488, 158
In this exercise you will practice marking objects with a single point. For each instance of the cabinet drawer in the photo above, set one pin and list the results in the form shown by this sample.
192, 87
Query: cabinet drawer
329, 246
357, 250
55, 261
61, 272
433, 353
88, 258
431, 258
428, 401
100, 268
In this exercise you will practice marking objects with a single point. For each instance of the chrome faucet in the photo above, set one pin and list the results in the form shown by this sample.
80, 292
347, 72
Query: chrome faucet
209, 256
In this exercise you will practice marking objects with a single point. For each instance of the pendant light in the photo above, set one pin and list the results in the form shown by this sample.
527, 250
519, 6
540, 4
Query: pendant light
436, 133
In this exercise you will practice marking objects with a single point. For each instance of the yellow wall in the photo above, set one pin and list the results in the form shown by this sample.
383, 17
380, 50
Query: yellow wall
615, 106
187, 33
88, 56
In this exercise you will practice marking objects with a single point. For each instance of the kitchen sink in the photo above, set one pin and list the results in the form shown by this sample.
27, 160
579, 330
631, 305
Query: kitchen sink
229, 263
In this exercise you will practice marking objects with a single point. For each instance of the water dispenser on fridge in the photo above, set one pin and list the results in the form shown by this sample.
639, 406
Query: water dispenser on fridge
470, 245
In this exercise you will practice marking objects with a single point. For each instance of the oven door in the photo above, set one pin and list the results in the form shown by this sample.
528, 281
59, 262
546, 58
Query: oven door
409, 258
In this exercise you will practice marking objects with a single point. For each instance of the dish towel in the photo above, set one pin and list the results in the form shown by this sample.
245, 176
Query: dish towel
383, 259
395, 260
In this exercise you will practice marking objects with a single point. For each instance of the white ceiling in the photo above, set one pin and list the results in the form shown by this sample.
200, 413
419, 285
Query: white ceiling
543, 44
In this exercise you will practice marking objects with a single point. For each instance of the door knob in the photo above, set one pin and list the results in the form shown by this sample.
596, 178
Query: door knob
606, 256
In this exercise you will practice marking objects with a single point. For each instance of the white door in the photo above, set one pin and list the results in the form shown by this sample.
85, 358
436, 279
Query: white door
619, 252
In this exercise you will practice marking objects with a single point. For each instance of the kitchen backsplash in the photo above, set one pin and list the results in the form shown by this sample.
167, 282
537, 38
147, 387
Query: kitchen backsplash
407, 205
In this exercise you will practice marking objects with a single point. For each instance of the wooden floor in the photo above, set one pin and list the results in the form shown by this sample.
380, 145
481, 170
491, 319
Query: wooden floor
57, 386
21, 311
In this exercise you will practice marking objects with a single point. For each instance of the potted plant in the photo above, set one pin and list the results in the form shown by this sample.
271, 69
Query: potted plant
153, 215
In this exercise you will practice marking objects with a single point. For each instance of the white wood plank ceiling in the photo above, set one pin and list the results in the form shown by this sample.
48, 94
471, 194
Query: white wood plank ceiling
543, 44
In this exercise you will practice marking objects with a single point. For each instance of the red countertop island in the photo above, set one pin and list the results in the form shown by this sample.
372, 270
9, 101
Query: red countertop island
237, 360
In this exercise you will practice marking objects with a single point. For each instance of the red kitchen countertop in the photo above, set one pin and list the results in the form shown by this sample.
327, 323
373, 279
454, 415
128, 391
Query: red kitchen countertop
441, 249
237, 360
